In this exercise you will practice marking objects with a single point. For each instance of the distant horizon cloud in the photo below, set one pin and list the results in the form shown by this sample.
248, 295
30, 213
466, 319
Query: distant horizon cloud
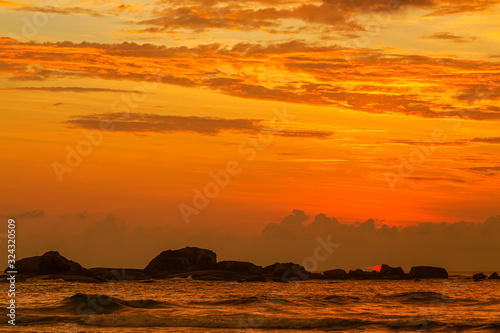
460, 246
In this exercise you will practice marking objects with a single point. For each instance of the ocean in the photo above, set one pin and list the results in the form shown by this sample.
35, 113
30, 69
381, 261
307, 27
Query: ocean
186, 305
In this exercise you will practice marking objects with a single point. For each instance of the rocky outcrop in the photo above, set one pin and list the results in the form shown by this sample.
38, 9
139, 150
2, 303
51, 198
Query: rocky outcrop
391, 273
494, 276
119, 274
335, 274
286, 272
427, 272
214, 275
179, 261
357, 274
241, 267
316, 276
479, 277
52, 265
256, 278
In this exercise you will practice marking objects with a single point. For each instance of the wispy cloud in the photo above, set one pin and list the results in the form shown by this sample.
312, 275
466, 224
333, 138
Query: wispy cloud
451, 37
69, 89
60, 10
303, 73
139, 122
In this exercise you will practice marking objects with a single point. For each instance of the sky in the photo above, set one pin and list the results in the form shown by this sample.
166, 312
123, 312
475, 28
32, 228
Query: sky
215, 120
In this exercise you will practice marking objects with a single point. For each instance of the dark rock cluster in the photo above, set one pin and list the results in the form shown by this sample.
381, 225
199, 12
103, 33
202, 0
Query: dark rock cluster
202, 264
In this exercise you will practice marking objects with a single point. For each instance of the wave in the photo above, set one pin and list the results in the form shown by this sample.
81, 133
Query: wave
147, 319
243, 301
249, 322
85, 304
418, 297
338, 299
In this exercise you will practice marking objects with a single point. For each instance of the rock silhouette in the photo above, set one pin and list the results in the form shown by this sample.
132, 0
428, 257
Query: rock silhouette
119, 274
427, 272
494, 276
479, 277
335, 274
241, 267
286, 272
393, 273
52, 265
201, 264
179, 261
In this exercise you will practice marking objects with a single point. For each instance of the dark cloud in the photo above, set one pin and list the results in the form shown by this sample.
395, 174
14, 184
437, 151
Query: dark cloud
69, 89
438, 179
31, 214
450, 36
460, 246
141, 122
334, 15
493, 140
480, 92
60, 10
452, 7
486, 170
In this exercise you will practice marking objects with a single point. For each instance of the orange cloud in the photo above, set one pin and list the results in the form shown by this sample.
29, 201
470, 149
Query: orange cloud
136, 122
60, 10
451, 37
371, 81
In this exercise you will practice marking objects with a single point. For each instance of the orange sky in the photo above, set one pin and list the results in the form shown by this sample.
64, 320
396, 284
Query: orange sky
358, 110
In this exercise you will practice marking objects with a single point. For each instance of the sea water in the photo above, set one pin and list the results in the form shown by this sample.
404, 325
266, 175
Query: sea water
186, 305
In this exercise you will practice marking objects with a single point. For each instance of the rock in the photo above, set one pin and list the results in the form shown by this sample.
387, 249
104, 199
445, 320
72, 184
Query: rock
479, 277
286, 272
374, 275
494, 276
316, 276
179, 261
119, 274
335, 274
239, 267
357, 274
427, 272
391, 273
52, 265
213, 275
257, 278
66, 278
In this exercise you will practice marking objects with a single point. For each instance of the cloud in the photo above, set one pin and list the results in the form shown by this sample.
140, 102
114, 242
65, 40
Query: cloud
482, 91
361, 80
486, 170
493, 140
142, 122
274, 16
450, 7
60, 10
459, 246
68, 89
438, 179
31, 214
450, 36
